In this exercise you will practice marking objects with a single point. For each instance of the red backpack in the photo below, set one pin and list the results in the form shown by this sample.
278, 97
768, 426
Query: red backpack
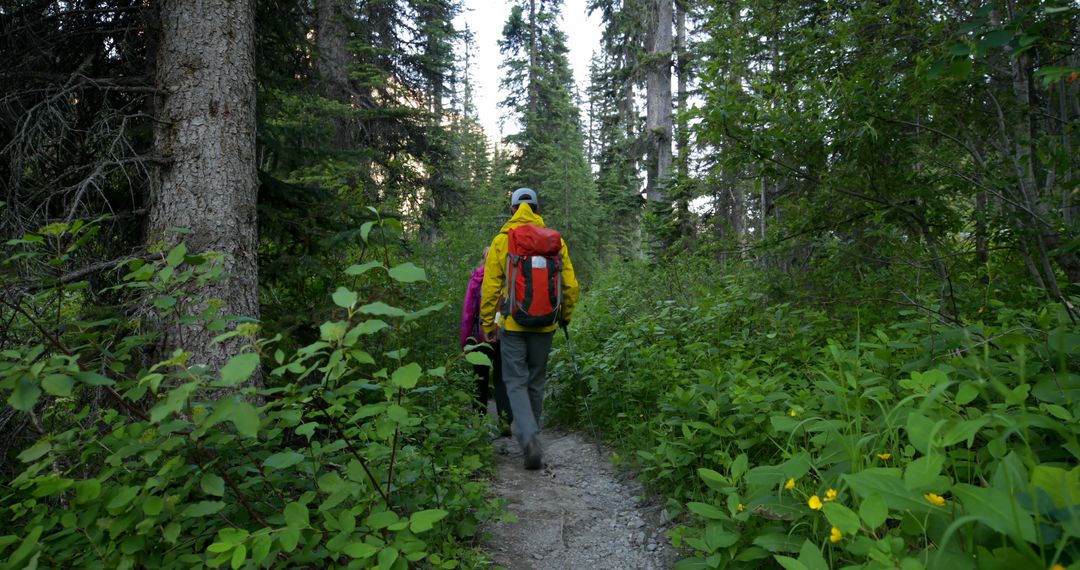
533, 276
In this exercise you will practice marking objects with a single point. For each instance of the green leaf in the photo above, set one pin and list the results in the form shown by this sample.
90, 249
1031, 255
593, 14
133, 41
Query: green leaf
790, 563
708, 511
212, 484
176, 255
362, 268
58, 385
172, 532
238, 557
382, 519
35, 451
152, 505
423, 521
93, 379
381, 309
477, 359
123, 496
995, 39
25, 395
923, 471
238, 369
873, 511
202, 509
738, 467
87, 490
810, 555
407, 273
407, 376
283, 459
387, 557
960, 67
360, 550
296, 515
365, 230
289, 537
246, 419
842, 518
997, 509
887, 483
345, 298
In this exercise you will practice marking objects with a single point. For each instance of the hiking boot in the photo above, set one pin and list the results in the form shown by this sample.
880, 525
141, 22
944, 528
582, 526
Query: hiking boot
534, 456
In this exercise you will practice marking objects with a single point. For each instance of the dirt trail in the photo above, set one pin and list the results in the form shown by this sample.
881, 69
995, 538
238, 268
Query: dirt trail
576, 513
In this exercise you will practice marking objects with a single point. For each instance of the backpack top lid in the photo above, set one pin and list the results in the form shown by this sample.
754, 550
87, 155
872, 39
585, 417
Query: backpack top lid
529, 239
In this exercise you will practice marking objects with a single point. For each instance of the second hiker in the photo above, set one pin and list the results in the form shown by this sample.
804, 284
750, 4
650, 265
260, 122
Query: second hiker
528, 288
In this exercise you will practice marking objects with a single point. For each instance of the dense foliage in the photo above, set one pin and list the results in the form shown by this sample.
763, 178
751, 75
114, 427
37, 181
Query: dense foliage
832, 436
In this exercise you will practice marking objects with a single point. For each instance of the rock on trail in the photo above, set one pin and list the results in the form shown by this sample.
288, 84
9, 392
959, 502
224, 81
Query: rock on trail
576, 513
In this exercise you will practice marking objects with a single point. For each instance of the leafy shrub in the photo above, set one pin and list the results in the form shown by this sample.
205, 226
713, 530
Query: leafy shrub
347, 458
791, 438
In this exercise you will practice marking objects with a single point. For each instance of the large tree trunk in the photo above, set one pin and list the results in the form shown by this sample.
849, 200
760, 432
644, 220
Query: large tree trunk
658, 96
206, 130
682, 71
333, 59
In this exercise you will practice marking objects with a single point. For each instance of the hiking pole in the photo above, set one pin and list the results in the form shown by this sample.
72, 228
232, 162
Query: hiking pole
585, 399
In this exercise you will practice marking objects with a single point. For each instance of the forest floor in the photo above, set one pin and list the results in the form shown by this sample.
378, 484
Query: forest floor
576, 512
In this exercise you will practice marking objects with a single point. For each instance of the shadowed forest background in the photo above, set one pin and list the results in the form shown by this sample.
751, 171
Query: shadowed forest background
829, 254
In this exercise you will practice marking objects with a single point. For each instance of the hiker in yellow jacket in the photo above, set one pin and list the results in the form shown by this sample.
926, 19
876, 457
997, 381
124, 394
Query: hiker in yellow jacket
524, 350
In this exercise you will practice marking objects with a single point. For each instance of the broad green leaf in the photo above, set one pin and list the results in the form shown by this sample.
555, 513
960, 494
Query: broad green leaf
35, 451
739, 466
382, 519
387, 557
87, 490
93, 379
296, 515
407, 376
873, 511
212, 484
58, 385
289, 537
423, 521
25, 395
407, 273
381, 309
810, 556
477, 359
283, 459
888, 484
842, 518
1062, 486
362, 268
717, 537
123, 496
176, 255
172, 532
370, 326
360, 550
775, 542
790, 563
708, 511
152, 505
344, 297
238, 369
923, 471
246, 419
996, 509
365, 230
995, 39
202, 509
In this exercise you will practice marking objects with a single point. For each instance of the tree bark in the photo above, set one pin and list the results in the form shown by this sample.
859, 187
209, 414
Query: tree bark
682, 70
333, 59
206, 129
658, 96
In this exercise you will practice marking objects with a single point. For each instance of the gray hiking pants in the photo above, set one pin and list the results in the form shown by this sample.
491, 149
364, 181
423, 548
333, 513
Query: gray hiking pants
524, 365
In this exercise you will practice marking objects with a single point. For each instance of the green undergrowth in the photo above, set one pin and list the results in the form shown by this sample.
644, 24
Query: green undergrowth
845, 437
355, 452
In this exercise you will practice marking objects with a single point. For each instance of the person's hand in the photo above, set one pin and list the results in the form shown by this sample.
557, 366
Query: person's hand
492, 337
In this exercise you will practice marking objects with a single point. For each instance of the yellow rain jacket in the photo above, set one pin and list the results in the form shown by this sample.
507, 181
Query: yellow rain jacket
494, 286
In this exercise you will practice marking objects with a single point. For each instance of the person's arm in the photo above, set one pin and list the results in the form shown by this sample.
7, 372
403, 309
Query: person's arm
492, 285
570, 286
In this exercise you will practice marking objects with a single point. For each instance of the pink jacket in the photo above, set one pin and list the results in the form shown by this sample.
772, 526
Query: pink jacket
470, 309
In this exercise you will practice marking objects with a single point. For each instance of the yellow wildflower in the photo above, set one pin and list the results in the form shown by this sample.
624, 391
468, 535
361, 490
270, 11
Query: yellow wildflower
741, 507
934, 499
1058, 567
835, 535
815, 503
830, 495
790, 484
884, 456
792, 412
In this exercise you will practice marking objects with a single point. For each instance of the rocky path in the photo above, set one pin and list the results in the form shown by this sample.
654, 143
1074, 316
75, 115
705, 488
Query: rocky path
576, 513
